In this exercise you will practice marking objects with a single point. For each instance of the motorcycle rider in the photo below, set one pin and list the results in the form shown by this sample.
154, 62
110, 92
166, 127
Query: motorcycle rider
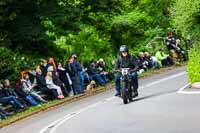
125, 60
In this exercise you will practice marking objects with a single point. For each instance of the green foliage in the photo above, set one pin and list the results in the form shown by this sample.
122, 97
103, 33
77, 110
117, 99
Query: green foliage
185, 15
90, 28
12, 64
157, 9
129, 29
89, 44
193, 66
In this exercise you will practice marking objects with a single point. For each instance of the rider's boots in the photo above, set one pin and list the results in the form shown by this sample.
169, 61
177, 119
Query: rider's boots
135, 94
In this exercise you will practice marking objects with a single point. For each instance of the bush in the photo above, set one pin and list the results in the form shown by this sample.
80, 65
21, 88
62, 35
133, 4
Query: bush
193, 66
13, 63
129, 29
89, 44
185, 15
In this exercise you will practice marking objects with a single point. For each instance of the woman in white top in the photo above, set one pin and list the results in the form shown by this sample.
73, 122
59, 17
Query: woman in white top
51, 85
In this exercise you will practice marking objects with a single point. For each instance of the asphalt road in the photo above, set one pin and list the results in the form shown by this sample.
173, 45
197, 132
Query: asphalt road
158, 109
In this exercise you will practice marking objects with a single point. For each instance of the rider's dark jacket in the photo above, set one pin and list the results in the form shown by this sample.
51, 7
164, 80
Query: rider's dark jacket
126, 62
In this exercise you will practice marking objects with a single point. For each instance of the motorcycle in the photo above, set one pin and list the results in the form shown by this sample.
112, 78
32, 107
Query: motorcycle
126, 85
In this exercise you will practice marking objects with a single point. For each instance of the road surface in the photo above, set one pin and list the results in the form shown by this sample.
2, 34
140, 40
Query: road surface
160, 108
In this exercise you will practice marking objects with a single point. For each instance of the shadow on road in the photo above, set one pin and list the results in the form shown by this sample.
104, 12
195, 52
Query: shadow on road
153, 95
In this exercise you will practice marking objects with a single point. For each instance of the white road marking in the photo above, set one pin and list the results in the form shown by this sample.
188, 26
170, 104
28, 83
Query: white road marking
183, 91
60, 121
54, 125
163, 79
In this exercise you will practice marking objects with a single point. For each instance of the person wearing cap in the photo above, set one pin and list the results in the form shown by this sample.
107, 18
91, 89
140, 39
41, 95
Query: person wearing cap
125, 60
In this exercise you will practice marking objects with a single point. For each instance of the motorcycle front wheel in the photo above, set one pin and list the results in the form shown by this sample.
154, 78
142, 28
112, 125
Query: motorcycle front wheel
124, 93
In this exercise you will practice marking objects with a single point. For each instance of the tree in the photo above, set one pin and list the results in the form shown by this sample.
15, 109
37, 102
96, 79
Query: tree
185, 16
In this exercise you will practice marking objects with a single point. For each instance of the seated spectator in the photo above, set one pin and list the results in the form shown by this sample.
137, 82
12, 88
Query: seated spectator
51, 85
41, 84
101, 67
9, 91
51, 64
87, 79
152, 60
94, 75
22, 94
163, 59
28, 88
142, 63
4, 99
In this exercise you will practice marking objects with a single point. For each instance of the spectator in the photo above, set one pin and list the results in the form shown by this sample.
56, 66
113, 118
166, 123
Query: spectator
94, 75
107, 68
180, 50
41, 84
74, 75
101, 66
80, 72
170, 41
51, 85
9, 91
142, 63
64, 77
174, 48
22, 94
43, 67
28, 88
51, 64
9, 99
152, 60
163, 59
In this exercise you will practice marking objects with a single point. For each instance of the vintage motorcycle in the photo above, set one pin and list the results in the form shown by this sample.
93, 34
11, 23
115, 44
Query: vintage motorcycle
126, 85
